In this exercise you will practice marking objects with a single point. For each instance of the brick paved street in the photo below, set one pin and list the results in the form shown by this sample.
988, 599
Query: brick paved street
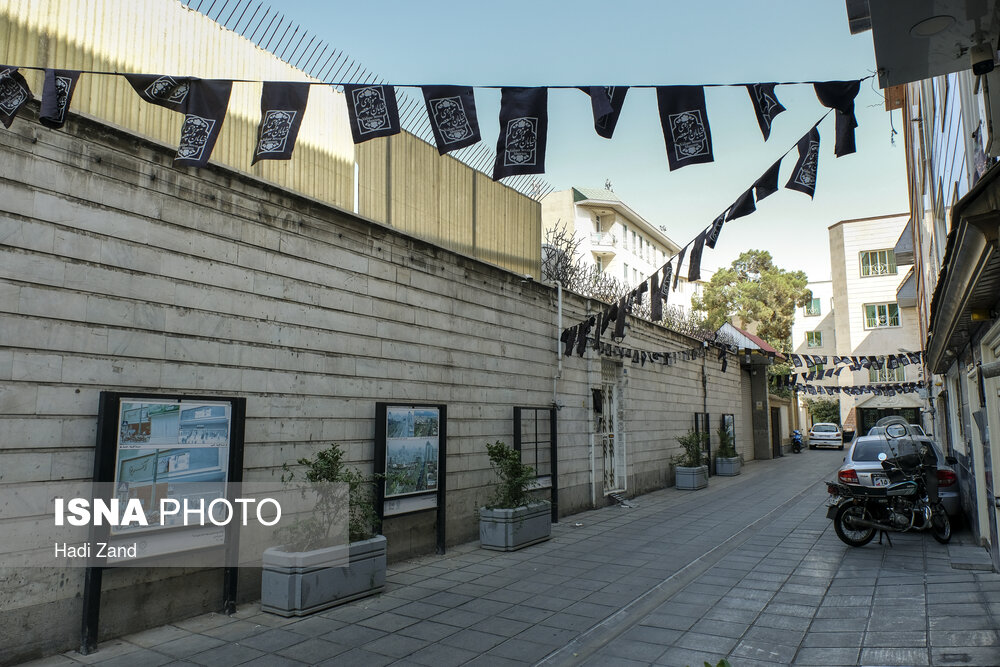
749, 569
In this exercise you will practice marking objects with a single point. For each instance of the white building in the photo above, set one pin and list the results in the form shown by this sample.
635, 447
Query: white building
863, 310
616, 239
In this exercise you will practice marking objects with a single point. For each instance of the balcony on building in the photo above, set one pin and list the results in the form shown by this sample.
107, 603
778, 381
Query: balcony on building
604, 244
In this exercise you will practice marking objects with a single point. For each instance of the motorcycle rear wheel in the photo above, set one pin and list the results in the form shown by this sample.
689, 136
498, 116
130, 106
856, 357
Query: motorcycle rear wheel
850, 535
941, 525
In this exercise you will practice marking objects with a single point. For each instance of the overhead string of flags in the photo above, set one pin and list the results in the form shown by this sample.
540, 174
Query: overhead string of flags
373, 112
521, 144
680, 106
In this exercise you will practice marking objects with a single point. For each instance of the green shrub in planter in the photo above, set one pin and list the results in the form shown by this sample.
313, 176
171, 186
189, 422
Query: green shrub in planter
512, 518
311, 571
727, 461
690, 471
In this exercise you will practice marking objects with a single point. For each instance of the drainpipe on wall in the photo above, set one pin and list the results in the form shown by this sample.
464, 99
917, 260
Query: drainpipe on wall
559, 349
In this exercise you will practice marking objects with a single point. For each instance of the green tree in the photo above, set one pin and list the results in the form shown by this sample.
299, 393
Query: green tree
824, 410
755, 292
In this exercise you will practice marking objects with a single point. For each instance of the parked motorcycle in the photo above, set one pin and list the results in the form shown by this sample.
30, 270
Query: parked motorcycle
796, 441
908, 502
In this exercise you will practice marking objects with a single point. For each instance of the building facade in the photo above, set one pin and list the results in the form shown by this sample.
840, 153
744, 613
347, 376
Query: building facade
859, 312
869, 318
614, 239
944, 80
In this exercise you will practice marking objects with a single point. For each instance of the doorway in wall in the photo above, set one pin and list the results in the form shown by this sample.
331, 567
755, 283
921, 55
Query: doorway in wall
609, 427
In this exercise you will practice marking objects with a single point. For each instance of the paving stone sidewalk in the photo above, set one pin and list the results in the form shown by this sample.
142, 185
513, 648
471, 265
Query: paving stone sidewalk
748, 569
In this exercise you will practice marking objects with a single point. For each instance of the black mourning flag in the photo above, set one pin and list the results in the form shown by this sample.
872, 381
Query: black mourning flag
14, 94
765, 105
655, 298
619, 334
204, 112
203, 103
568, 339
680, 263
694, 265
372, 111
713, 233
452, 112
796, 361
282, 105
904, 360
607, 102
892, 361
840, 95
684, 119
57, 94
524, 124
743, 206
169, 92
665, 283
768, 183
583, 333
804, 173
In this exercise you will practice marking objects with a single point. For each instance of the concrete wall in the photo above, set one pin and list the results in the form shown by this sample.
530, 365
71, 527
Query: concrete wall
119, 272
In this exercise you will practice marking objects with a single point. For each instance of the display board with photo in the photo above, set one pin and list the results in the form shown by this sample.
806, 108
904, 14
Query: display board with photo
412, 450
170, 449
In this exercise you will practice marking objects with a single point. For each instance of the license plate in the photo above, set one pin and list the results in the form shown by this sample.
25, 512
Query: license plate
880, 480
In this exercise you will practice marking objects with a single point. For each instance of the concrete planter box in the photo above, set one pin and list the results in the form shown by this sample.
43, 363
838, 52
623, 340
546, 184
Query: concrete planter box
511, 529
299, 583
691, 479
727, 467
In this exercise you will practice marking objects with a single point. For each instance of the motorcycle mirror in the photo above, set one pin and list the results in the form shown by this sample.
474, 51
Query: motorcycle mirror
895, 431
882, 456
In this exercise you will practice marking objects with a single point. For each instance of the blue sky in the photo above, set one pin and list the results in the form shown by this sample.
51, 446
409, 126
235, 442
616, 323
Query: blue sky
633, 42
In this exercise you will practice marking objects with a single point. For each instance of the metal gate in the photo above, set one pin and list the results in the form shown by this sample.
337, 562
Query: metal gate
609, 423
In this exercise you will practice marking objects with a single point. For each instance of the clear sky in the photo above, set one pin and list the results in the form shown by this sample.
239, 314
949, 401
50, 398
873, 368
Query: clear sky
634, 42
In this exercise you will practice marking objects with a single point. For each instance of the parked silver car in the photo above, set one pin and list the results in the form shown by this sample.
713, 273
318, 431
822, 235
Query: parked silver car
825, 434
915, 429
863, 467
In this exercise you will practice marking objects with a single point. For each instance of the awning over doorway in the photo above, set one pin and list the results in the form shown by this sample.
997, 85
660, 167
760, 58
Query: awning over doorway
904, 246
970, 277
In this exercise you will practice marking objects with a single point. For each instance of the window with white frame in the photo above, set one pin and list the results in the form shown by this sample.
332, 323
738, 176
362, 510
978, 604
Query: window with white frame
814, 338
886, 374
813, 308
880, 315
878, 263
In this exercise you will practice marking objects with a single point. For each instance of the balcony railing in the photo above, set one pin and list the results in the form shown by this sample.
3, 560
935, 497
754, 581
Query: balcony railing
603, 242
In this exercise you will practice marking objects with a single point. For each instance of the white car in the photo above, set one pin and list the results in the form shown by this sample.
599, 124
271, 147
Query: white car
825, 434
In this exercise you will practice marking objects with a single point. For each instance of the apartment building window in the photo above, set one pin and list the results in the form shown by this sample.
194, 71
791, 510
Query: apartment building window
626, 273
878, 263
635, 246
886, 374
814, 338
813, 308
879, 315
819, 369
625, 235
600, 264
